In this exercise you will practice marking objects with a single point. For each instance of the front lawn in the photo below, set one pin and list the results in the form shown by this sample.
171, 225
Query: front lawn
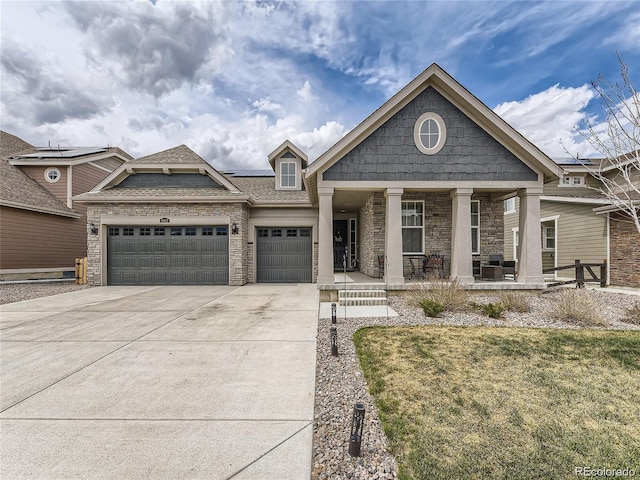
508, 403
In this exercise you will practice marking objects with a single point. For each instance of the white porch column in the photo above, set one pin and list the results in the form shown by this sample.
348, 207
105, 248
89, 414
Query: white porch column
530, 243
393, 270
325, 236
461, 260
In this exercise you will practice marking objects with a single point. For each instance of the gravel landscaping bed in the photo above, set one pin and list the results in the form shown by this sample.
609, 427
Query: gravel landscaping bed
17, 292
340, 382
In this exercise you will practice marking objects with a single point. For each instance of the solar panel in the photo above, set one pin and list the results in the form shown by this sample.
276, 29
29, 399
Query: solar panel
63, 153
250, 173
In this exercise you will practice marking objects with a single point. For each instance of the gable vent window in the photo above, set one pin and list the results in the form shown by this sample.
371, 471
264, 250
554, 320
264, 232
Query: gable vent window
52, 175
429, 133
288, 174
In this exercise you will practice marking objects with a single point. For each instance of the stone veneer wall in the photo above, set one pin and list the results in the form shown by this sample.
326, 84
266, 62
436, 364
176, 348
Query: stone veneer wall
624, 253
237, 212
491, 227
372, 235
438, 218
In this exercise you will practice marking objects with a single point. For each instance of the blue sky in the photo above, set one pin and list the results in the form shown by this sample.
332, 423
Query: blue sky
232, 80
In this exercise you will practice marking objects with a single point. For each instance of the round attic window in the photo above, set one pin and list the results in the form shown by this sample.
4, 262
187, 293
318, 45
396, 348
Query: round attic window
429, 133
52, 175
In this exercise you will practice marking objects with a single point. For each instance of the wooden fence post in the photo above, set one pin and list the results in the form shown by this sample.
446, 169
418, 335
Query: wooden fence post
579, 274
81, 271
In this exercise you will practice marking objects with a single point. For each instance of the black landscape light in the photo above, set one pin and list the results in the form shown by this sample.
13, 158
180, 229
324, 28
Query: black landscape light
333, 313
333, 336
357, 424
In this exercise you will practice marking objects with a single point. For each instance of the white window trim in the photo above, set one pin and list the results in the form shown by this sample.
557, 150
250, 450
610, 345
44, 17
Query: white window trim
416, 132
516, 237
545, 237
510, 210
51, 180
421, 227
571, 179
476, 228
295, 175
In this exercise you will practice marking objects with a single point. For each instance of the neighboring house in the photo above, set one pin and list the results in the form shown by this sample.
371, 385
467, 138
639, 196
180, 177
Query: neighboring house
425, 173
42, 229
578, 223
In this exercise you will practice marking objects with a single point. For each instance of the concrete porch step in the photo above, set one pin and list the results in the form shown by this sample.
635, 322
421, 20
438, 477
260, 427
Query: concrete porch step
362, 297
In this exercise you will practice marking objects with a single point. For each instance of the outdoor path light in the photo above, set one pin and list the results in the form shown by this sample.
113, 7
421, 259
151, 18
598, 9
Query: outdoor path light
357, 424
333, 336
333, 313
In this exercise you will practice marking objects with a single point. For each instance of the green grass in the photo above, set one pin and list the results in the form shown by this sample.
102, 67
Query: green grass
482, 403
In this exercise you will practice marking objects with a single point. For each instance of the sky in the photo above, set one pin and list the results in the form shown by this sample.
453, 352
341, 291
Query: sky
232, 80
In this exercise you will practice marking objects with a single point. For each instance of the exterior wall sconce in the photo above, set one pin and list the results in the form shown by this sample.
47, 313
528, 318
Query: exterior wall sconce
93, 229
234, 228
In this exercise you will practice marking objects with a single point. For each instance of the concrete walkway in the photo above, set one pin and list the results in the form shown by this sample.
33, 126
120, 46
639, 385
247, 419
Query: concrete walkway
159, 382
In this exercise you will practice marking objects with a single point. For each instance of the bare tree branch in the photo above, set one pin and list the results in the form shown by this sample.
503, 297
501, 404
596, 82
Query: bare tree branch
618, 171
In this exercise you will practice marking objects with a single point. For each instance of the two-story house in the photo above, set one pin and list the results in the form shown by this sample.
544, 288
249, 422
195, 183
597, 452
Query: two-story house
43, 230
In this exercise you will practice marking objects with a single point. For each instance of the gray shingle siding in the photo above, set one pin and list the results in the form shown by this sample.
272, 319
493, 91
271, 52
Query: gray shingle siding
176, 180
390, 154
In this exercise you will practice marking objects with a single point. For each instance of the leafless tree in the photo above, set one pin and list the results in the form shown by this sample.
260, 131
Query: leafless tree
618, 141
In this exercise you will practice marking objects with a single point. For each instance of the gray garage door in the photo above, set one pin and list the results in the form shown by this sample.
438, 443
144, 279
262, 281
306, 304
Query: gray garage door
168, 255
284, 255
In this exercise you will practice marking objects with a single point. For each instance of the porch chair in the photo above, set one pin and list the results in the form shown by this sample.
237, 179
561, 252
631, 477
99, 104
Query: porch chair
509, 268
496, 259
415, 271
434, 263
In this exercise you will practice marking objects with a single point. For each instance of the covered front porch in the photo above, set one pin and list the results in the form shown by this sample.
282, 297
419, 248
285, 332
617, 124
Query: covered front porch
386, 236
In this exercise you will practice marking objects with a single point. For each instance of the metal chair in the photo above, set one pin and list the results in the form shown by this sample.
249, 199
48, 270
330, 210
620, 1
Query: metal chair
434, 263
415, 271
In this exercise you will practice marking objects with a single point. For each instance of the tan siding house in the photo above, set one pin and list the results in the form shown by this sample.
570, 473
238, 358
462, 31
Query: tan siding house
572, 229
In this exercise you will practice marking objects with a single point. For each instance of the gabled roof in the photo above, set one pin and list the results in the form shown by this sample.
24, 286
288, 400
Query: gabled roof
180, 159
454, 92
284, 146
19, 190
11, 145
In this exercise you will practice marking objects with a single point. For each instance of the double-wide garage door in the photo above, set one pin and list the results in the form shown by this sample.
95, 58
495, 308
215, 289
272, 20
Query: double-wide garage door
168, 255
284, 255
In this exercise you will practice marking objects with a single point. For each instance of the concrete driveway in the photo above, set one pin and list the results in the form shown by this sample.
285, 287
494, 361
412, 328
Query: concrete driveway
159, 382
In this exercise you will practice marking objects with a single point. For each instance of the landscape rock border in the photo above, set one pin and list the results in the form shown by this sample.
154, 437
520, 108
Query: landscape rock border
340, 382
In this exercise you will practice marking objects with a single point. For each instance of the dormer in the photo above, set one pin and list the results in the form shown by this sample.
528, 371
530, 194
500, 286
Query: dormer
288, 162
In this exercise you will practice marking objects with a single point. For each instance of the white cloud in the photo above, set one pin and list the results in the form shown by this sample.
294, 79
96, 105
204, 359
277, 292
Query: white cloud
549, 119
266, 105
304, 93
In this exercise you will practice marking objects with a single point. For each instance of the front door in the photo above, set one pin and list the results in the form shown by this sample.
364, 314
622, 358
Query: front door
340, 239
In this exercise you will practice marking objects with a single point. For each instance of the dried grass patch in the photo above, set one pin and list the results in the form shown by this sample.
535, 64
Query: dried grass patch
503, 402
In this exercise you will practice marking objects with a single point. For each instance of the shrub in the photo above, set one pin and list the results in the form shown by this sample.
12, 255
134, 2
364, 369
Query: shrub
514, 301
431, 308
493, 310
449, 294
633, 315
575, 306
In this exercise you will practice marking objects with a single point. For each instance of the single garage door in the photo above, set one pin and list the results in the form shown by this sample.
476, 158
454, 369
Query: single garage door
284, 255
168, 255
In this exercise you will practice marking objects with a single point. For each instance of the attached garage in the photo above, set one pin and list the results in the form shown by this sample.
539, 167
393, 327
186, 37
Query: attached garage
176, 255
284, 255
